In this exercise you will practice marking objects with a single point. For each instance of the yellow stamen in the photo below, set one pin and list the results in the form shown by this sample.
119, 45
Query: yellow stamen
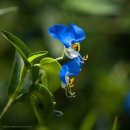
76, 46
71, 81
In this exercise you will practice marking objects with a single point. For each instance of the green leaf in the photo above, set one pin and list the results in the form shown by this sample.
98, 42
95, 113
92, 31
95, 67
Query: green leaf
14, 78
36, 55
49, 69
26, 83
114, 127
18, 44
43, 102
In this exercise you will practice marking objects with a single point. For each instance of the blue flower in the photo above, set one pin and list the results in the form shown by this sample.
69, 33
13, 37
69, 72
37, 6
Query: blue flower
70, 37
67, 73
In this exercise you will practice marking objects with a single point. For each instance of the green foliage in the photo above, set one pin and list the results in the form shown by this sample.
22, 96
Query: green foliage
14, 78
36, 55
50, 69
42, 101
21, 79
18, 44
27, 57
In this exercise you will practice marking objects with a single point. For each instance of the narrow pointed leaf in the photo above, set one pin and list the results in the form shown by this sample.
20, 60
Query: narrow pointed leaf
50, 69
43, 102
14, 78
36, 55
18, 44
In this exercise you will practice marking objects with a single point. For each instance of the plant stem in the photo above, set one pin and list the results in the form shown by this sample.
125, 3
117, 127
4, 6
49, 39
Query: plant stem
6, 108
62, 55
13, 97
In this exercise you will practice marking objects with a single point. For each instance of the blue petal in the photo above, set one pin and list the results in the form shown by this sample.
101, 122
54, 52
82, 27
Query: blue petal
71, 68
79, 33
63, 73
62, 33
74, 67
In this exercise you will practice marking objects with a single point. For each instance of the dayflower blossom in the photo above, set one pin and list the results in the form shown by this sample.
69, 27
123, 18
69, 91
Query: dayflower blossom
70, 37
67, 73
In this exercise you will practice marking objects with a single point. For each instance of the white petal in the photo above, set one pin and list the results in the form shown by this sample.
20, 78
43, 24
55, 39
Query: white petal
71, 53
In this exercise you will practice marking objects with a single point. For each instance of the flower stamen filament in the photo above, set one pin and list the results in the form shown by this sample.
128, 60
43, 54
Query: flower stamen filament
69, 92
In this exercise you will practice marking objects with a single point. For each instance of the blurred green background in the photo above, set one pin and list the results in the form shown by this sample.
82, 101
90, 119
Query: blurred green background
102, 88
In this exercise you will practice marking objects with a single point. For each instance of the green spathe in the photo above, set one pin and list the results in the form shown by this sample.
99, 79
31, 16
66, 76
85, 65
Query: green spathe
51, 68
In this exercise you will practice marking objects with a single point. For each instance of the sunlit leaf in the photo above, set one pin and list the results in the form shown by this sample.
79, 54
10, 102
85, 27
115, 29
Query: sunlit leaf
36, 55
43, 102
18, 44
50, 70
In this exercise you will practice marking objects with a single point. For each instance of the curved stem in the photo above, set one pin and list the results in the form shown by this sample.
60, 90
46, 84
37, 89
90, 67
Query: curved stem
13, 97
62, 55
